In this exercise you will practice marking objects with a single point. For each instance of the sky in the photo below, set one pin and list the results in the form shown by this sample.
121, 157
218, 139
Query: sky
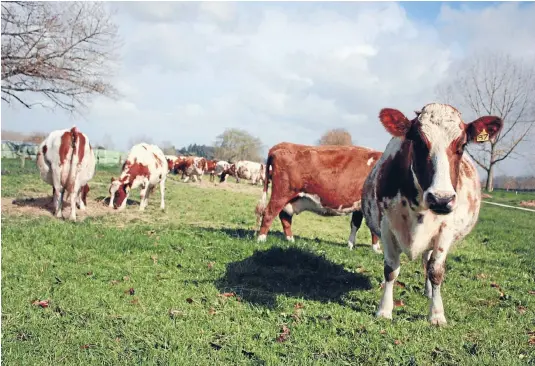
284, 71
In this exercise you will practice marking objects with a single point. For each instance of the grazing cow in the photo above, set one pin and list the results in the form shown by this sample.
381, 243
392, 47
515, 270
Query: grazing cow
326, 180
170, 162
210, 168
244, 169
424, 193
145, 166
191, 166
67, 162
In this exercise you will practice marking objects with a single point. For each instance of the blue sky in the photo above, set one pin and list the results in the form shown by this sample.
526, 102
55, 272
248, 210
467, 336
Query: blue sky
284, 71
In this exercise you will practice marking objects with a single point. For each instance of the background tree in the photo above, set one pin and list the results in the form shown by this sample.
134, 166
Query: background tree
63, 51
168, 148
107, 142
337, 136
235, 144
494, 84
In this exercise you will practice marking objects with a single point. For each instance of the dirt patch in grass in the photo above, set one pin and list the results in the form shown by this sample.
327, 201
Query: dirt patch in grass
530, 203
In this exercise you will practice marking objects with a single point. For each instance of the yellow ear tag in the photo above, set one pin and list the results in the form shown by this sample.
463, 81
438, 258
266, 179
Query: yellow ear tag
483, 136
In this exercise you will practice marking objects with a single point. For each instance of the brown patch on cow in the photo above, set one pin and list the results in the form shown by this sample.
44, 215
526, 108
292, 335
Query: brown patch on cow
440, 249
455, 154
64, 147
81, 147
435, 273
472, 202
395, 176
158, 160
389, 273
45, 149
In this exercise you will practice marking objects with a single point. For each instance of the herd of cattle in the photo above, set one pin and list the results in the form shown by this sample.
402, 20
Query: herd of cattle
419, 196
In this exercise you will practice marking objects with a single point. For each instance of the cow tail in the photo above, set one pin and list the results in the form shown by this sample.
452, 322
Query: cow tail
261, 206
73, 166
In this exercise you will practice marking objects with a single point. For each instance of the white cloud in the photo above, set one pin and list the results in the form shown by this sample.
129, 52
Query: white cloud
284, 71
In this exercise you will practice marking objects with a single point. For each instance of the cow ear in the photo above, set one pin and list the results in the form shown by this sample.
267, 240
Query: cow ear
395, 122
484, 129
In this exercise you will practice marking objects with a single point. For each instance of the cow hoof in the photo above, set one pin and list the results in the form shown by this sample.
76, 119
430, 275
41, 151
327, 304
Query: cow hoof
290, 238
350, 245
384, 314
377, 249
437, 319
261, 238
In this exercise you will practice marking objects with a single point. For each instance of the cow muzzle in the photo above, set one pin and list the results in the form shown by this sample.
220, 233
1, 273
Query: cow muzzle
441, 203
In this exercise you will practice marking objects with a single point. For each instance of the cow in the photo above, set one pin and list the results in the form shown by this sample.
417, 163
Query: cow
243, 169
66, 161
221, 167
210, 169
424, 194
191, 166
145, 166
326, 180
170, 162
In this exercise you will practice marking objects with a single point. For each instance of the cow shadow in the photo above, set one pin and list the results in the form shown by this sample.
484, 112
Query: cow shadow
42, 203
294, 272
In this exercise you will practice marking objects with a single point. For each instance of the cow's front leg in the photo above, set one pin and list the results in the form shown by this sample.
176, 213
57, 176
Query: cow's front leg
436, 267
356, 221
425, 259
391, 271
144, 195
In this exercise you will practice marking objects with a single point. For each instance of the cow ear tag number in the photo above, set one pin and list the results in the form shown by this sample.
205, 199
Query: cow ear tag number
483, 136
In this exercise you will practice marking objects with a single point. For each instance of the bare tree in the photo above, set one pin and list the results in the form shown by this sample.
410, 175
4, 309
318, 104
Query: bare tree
168, 148
107, 142
63, 51
495, 84
235, 144
337, 136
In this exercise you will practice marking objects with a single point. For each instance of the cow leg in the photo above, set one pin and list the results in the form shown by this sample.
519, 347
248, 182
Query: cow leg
187, 178
435, 273
356, 221
425, 259
144, 194
162, 194
391, 271
375, 243
74, 198
58, 201
286, 220
273, 208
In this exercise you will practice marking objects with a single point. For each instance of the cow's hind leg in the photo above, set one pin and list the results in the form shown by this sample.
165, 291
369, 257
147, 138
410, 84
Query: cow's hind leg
391, 272
356, 221
74, 198
286, 220
162, 194
375, 243
274, 207
58, 201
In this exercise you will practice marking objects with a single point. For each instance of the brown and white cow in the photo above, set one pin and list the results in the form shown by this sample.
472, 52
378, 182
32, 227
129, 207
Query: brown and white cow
424, 193
67, 162
211, 169
326, 180
191, 166
221, 167
145, 166
244, 169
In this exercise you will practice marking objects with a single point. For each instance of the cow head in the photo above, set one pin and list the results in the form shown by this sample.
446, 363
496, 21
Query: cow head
438, 137
170, 164
119, 190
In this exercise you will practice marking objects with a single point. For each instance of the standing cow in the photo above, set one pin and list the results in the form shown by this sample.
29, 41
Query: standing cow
244, 169
67, 162
145, 166
211, 166
424, 193
191, 166
326, 180
220, 168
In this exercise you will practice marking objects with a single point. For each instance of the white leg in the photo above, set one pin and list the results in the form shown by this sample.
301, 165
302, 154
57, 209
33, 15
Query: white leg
144, 195
187, 178
58, 202
74, 196
435, 273
162, 193
391, 271
81, 202
352, 236
261, 238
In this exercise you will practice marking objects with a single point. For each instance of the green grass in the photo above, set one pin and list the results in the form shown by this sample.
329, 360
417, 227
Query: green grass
510, 197
179, 262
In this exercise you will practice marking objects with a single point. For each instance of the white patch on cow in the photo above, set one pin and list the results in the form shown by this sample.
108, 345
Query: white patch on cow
250, 170
441, 124
312, 202
261, 238
290, 239
370, 161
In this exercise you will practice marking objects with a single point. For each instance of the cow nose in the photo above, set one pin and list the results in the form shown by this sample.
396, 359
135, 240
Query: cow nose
440, 203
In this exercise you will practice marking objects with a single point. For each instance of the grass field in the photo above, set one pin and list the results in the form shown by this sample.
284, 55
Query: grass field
190, 286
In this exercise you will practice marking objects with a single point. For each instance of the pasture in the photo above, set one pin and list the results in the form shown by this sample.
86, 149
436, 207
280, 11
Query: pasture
190, 286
